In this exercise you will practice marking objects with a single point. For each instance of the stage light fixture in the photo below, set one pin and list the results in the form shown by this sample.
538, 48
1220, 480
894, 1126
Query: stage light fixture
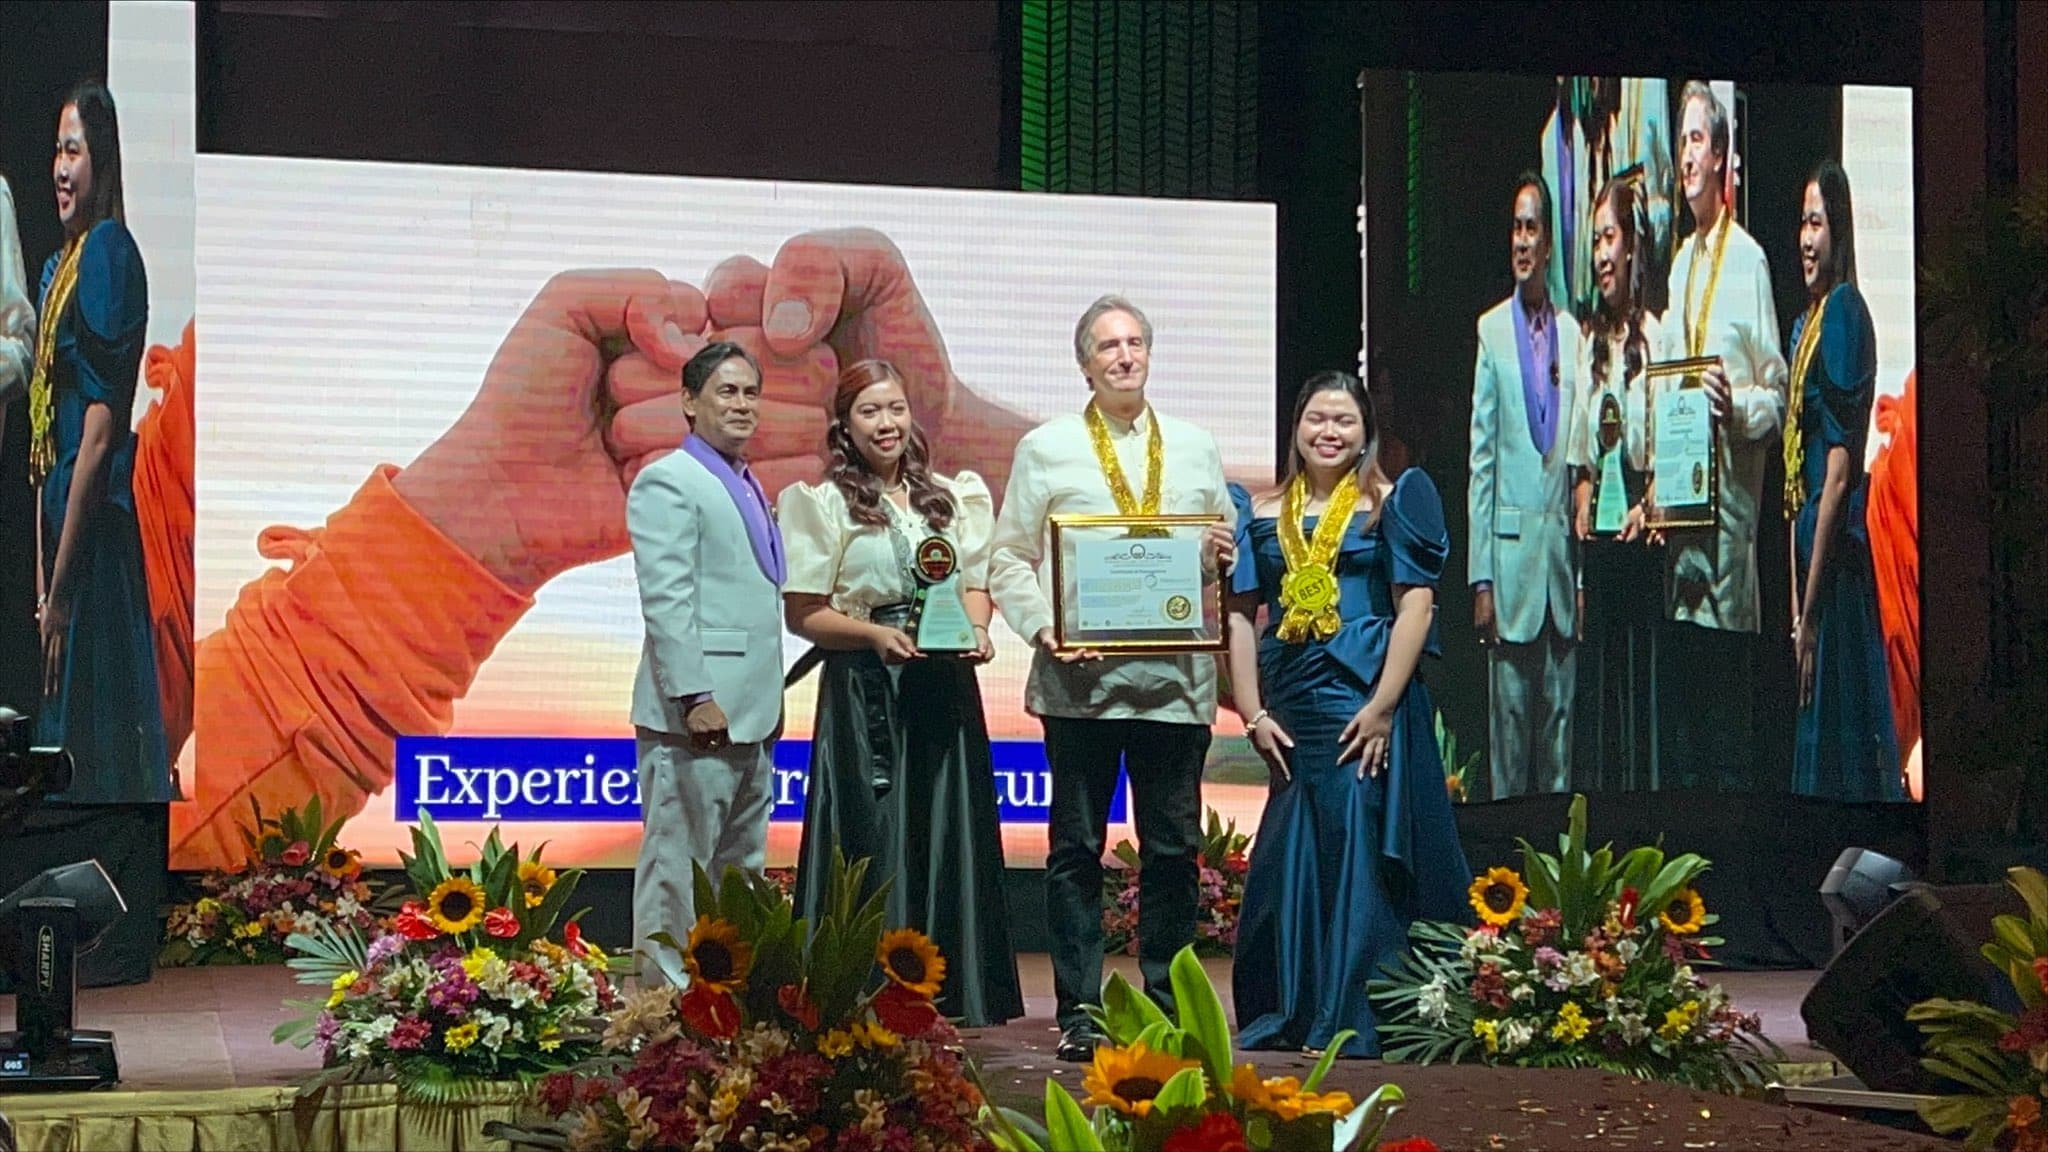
44, 926
1862, 884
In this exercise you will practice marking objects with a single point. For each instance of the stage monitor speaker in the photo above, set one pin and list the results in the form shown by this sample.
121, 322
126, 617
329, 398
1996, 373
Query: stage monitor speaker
1925, 945
1861, 885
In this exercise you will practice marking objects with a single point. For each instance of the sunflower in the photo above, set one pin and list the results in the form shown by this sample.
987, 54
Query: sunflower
535, 878
341, 863
1684, 914
1499, 896
1282, 1095
1127, 1079
716, 956
457, 905
911, 960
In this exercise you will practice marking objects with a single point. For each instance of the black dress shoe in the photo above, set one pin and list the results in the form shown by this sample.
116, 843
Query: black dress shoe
1077, 1045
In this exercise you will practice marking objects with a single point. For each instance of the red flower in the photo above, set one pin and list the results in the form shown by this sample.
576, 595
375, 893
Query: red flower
572, 939
905, 1012
502, 923
1218, 1132
297, 854
795, 1002
1236, 863
711, 1012
412, 922
558, 1093
1417, 1144
1629, 897
2041, 971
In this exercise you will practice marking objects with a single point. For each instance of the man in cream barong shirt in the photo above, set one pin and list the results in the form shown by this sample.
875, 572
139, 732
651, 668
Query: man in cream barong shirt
1152, 714
1720, 304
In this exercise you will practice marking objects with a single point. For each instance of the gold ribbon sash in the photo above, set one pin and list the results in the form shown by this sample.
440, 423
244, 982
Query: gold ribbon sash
1795, 447
1696, 323
1308, 591
42, 439
1113, 469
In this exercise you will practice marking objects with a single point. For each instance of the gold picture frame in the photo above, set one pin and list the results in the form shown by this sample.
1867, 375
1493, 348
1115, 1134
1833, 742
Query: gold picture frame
1113, 592
1697, 468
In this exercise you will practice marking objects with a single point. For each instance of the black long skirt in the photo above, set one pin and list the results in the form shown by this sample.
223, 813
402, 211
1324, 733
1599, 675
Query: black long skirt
900, 774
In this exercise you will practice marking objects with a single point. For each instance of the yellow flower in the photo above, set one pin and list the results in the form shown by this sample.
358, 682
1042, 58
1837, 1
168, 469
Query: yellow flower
479, 958
1678, 1021
911, 960
1282, 1095
341, 986
535, 878
249, 928
834, 1044
873, 1035
341, 862
457, 905
461, 1036
208, 905
1685, 914
1127, 1079
716, 956
1499, 896
550, 1038
1488, 1031
1572, 1025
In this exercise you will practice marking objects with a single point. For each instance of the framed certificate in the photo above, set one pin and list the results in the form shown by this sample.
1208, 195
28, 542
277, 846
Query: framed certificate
1685, 458
1134, 584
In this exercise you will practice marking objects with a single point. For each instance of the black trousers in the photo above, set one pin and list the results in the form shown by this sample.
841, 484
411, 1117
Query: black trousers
1709, 708
1164, 763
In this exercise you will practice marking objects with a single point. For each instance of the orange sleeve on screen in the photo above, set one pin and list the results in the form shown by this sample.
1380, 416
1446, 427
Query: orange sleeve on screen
163, 511
1893, 518
376, 630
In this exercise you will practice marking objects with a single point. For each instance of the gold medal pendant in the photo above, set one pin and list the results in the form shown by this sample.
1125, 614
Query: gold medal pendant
1309, 592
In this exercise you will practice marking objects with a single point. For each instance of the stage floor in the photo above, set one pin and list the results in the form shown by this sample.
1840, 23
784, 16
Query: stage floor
203, 1028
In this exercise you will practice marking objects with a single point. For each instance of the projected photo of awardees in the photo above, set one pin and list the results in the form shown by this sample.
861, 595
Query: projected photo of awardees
1686, 562
95, 280
429, 391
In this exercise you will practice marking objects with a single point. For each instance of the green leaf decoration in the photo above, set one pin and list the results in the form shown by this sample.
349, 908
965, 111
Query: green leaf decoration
1126, 1011
1185, 1089
1328, 1059
1361, 1127
1201, 1013
1067, 1129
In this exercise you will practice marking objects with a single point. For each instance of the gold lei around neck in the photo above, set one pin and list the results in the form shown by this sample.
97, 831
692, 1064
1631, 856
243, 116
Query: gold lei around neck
1113, 469
42, 438
1696, 322
1795, 447
1309, 592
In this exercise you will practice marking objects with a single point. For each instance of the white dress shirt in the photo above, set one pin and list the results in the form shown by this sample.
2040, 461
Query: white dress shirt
1712, 576
1056, 472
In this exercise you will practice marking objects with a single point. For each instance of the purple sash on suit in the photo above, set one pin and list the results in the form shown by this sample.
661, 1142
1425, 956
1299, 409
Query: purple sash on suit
1539, 374
752, 502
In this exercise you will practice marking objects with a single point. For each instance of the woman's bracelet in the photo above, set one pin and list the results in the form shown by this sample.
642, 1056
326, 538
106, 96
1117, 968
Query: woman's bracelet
1252, 723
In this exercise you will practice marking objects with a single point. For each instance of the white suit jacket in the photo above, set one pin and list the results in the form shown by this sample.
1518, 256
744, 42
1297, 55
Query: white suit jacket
713, 617
1712, 577
1520, 500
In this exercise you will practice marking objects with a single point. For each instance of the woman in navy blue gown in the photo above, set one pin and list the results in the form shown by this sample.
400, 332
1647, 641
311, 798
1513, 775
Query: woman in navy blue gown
1845, 748
1357, 839
100, 696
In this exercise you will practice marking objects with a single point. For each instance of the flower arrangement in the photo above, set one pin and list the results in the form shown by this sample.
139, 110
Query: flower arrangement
469, 986
297, 878
1588, 962
777, 1035
2001, 1058
1223, 865
1160, 1085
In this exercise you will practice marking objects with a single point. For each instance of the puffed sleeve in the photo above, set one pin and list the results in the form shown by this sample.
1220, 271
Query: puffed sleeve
974, 523
1848, 354
1417, 540
113, 311
1244, 574
813, 521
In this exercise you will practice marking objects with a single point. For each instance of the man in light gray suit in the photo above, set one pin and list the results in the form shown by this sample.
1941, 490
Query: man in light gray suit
1524, 564
707, 705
